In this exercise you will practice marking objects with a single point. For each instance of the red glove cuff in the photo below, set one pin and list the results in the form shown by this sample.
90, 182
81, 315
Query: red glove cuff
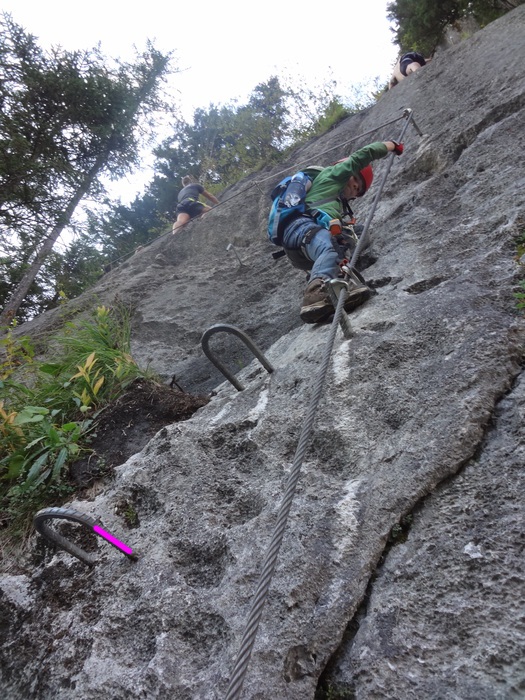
398, 148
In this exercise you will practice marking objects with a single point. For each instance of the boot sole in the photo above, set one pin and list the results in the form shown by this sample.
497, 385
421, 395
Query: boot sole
356, 298
314, 314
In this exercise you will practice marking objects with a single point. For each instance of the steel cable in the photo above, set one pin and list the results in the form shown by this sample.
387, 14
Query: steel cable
248, 640
363, 239
250, 633
257, 183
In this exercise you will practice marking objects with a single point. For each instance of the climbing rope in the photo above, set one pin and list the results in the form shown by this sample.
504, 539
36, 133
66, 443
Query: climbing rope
272, 177
248, 640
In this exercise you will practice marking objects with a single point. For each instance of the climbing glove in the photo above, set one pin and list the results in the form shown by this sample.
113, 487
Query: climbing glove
398, 150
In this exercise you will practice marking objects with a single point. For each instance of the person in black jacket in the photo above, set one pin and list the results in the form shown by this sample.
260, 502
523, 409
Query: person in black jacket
188, 204
407, 64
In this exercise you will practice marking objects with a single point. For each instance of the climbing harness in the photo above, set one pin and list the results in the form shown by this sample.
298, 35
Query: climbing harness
40, 522
224, 327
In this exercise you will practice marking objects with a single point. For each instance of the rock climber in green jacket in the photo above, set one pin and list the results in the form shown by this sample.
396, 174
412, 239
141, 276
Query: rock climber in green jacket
309, 237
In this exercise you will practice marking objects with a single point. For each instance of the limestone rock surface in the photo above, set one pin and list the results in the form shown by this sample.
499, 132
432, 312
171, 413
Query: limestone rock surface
421, 421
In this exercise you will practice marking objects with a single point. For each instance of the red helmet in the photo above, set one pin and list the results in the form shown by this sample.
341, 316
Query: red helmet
367, 176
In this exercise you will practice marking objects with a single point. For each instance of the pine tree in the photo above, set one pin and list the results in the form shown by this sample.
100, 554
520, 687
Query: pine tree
66, 119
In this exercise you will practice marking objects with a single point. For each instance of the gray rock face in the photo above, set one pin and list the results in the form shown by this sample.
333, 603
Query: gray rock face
422, 416
444, 618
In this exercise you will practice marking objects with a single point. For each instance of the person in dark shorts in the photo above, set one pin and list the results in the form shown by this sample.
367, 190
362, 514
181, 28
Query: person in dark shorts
407, 64
188, 204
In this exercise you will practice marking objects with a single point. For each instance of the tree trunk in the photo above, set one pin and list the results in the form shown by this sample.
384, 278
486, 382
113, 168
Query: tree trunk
10, 309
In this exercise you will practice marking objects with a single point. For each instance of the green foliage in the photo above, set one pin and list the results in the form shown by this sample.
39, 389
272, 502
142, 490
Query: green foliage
128, 512
316, 108
485, 11
73, 270
225, 143
333, 691
334, 113
520, 296
40, 447
14, 352
94, 364
66, 119
421, 23
400, 530
48, 409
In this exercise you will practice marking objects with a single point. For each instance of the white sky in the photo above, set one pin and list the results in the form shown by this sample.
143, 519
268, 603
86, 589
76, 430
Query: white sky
225, 47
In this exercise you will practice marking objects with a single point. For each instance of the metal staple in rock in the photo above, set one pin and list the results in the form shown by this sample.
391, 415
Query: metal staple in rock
248, 640
227, 328
40, 521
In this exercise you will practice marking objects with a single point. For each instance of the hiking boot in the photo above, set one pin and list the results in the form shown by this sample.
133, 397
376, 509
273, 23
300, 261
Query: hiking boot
316, 302
358, 293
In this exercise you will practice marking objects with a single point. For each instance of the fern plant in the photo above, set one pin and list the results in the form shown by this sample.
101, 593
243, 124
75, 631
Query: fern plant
47, 409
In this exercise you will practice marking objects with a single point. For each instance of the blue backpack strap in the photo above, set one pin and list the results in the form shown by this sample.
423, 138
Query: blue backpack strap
274, 233
276, 210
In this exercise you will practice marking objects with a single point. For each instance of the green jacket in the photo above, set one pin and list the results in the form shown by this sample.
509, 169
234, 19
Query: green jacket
332, 180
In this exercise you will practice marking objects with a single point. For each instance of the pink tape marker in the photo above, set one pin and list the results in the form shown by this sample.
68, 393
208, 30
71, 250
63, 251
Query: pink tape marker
113, 540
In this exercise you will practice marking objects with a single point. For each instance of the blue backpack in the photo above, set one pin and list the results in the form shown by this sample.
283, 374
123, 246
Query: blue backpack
288, 202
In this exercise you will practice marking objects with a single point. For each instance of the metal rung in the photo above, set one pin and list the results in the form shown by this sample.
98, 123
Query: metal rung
75, 516
245, 339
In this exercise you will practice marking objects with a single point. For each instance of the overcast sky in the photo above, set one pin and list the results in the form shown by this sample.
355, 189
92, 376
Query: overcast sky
224, 48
